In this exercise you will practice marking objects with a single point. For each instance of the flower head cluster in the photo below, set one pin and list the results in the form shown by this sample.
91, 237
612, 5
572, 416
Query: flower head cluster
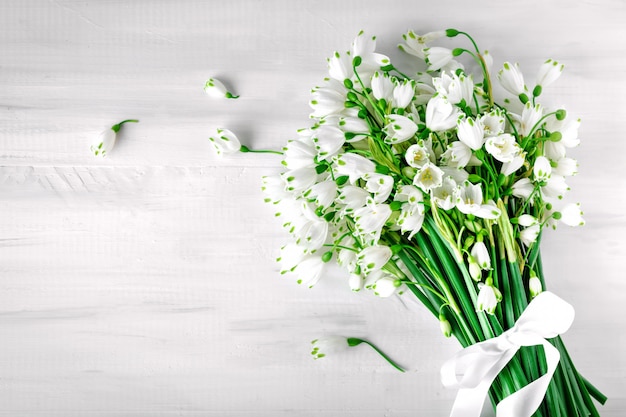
388, 154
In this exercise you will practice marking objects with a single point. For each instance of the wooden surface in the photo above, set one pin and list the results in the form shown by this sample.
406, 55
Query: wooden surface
144, 284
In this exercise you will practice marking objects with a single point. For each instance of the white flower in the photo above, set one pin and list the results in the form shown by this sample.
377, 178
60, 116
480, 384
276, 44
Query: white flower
329, 99
355, 282
429, 176
572, 215
363, 46
488, 211
417, 155
382, 86
480, 253
568, 128
470, 198
352, 165
458, 155
290, 256
530, 116
566, 167
274, 187
385, 286
523, 189
440, 114
511, 78
527, 220
328, 345
488, 298
299, 154
493, 123
380, 185
299, 180
554, 189
411, 218
415, 44
542, 169
437, 57
310, 270
549, 72
370, 219
528, 235
403, 94
446, 196
411, 195
471, 132
107, 138
459, 175
352, 198
225, 141
340, 66
373, 258
454, 88
510, 167
328, 141
502, 147
214, 88
534, 286
324, 193
399, 129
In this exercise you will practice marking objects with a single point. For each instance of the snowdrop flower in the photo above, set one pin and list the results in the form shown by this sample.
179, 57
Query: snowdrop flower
380, 185
329, 99
417, 155
549, 72
470, 198
340, 66
502, 147
446, 196
509, 168
403, 94
415, 44
534, 285
511, 79
471, 132
299, 180
542, 169
355, 282
459, 175
572, 215
328, 141
493, 123
106, 140
440, 114
523, 189
373, 258
566, 167
531, 230
310, 270
411, 219
352, 165
530, 116
454, 88
445, 326
274, 187
290, 256
437, 57
324, 193
480, 253
458, 155
225, 141
354, 124
328, 345
382, 86
370, 219
488, 298
554, 188
352, 198
214, 88
412, 196
385, 286
429, 176
399, 129
299, 154
363, 46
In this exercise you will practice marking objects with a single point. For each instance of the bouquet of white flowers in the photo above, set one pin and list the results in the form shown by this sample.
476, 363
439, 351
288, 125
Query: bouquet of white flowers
429, 184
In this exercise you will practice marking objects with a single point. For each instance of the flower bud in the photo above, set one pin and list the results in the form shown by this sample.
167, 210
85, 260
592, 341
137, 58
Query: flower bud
534, 285
445, 326
214, 88
474, 269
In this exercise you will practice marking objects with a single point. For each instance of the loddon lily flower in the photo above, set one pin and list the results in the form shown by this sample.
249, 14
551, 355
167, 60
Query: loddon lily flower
106, 141
216, 89
225, 141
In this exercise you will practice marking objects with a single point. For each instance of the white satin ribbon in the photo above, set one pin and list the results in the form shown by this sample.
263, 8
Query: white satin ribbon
474, 368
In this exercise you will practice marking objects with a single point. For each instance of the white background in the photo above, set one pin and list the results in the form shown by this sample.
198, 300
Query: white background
144, 284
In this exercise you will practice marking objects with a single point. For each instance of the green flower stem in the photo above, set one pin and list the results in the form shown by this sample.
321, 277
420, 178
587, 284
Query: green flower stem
245, 149
116, 128
355, 341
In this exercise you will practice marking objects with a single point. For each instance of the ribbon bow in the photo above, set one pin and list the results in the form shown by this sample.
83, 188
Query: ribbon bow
474, 368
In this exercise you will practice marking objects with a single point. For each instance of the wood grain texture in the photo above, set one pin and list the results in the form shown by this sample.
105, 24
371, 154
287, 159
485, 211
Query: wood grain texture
143, 284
